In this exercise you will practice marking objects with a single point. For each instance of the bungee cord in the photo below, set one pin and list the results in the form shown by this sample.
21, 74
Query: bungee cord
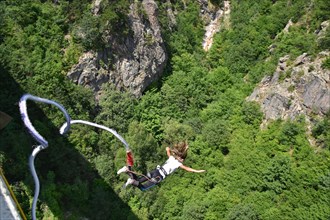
65, 126
128, 151
25, 117
43, 143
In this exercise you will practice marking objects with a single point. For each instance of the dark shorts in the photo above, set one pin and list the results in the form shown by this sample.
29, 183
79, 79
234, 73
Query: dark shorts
151, 179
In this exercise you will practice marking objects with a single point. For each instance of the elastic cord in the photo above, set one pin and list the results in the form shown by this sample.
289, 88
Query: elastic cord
41, 140
65, 125
25, 117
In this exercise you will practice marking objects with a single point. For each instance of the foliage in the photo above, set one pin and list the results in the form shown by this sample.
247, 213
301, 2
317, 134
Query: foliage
117, 108
321, 132
324, 41
243, 212
252, 173
188, 33
87, 31
295, 42
326, 64
320, 13
252, 113
144, 145
175, 132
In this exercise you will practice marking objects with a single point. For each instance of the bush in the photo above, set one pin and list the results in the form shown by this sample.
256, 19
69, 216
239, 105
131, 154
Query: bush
326, 64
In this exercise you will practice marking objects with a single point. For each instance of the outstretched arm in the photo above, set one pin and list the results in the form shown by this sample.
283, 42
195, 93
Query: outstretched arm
168, 151
191, 169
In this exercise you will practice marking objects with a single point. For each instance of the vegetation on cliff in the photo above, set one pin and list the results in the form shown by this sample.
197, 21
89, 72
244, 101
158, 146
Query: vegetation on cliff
273, 173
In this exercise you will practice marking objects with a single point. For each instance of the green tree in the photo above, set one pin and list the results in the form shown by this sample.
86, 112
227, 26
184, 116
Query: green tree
278, 176
252, 114
117, 108
321, 131
243, 212
176, 132
216, 133
144, 146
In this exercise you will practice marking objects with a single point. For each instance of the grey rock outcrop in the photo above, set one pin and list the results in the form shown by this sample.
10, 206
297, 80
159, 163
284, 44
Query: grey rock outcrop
170, 15
131, 63
88, 72
214, 19
302, 87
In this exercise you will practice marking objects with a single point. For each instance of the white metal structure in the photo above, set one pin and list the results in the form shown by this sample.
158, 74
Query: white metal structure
8, 207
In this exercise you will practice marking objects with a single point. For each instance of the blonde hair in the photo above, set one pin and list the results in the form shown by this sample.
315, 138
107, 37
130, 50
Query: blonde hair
180, 150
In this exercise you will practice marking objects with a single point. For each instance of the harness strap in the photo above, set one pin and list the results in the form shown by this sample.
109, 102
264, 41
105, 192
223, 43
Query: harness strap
162, 171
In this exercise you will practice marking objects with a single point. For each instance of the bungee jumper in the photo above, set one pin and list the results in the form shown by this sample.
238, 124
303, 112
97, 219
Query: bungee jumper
176, 157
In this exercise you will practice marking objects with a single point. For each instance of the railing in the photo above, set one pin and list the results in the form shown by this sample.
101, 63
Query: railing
13, 196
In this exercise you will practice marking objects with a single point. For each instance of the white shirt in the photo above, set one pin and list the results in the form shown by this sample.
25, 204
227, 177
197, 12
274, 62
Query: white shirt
171, 165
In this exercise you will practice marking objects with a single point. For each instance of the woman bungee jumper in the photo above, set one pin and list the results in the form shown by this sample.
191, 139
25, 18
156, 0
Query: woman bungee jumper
176, 156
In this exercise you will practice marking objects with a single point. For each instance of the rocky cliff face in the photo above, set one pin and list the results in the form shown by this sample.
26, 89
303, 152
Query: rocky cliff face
132, 63
298, 87
215, 19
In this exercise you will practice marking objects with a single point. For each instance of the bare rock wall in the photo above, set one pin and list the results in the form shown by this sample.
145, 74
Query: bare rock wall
130, 62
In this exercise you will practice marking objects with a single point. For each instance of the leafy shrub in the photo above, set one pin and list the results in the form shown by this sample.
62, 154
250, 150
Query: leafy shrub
326, 63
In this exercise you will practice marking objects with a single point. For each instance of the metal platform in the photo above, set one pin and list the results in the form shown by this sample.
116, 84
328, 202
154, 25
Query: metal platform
9, 208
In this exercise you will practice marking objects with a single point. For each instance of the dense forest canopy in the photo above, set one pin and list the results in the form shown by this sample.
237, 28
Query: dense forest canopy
252, 173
